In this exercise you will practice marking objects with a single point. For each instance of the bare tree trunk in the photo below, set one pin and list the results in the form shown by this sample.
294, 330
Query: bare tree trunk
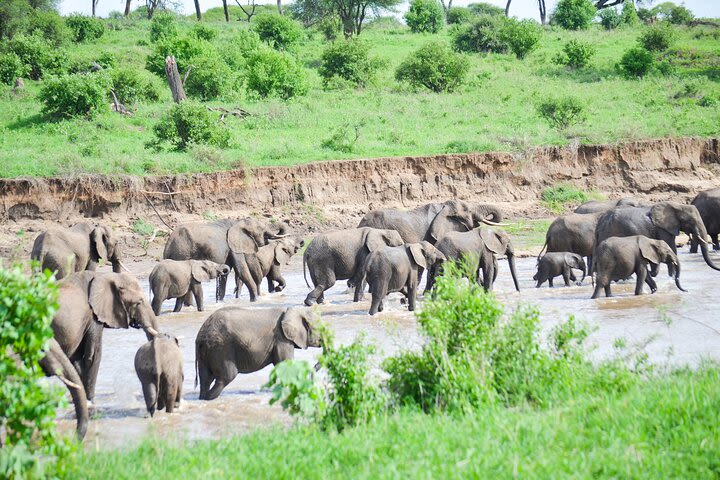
543, 11
507, 8
127, 7
174, 80
197, 10
225, 9
94, 4
279, 4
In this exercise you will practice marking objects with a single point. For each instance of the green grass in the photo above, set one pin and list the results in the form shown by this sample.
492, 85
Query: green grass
528, 233
663, 427
494, 110
558, 197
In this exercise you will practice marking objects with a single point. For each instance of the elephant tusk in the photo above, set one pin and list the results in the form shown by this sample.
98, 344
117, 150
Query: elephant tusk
701, 239
122, 265
152, 331
69, 383
279, 235
496, 224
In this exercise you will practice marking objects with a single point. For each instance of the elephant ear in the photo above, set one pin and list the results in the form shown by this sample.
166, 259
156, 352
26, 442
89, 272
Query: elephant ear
200, 271
294, 328
104, 299
648, 250
374, 240
240, 241
664, 216
416, 253
281, 256
492, 241
99, 239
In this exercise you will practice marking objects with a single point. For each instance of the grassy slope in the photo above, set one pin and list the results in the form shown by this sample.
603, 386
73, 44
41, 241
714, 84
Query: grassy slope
664, 428
493, 111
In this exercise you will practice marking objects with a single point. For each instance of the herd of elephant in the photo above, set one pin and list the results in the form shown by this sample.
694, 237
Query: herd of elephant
388, 252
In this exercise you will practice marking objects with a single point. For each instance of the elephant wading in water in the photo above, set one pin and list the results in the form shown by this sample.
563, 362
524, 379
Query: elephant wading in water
482, 243
341, 255
90, 302
226, 242
663, 221
240, 340
619, 257
81, 247
574, 233
553, 264
182, 279
269, 260
158, 365
708, 205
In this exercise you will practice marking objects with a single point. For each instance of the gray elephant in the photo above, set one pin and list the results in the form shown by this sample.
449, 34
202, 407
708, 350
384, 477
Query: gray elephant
553, 264
340, 255
90, 302
80, 247
269, 260
225, 242
241, 340
395, 269
619, 257
182, 279
56, 363
574, 233
663, 221
158, 364
602, 206
708, 205
483, 244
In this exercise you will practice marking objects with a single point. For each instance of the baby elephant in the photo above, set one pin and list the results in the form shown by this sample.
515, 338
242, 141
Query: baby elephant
395, 269
268, 261
241, 340
619, 257
158, 364
553, 264
180, 279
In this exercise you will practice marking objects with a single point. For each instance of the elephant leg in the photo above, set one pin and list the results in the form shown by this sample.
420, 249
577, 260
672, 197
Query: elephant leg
317, 295
654, 269
178, 304
178, 394
608, 293
150, 393
550, 282
715, 241
641, 274
566, 276
378, 289
411, 295
650, 282
243, 274
206, 379
216, 389
160, 399
589, 261
598, 287
222, 379
91, 360
157, 302
169, 391
694, 244
221, 286
197, 292
488, 274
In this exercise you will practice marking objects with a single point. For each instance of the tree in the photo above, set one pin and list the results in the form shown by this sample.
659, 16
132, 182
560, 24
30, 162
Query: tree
600, 4
94, 5
352, 13
507, 8
251, 5
127, 7
543, 11
225, 9
279, 4
198, 13
309, 12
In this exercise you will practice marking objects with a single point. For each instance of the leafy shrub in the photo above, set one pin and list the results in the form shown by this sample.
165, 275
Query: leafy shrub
27, 306
425, 16
163, 26
349, 60
680, 15
273, 73
85, 29
609, 18
11, 68
458, 15
188, 123
561, 113
75, 95
434, 66
330, 27
576, 54
48, 25
636, 62
183, 49
106, 59
574, 14
481, 35
343, 138
209, 77
240, 48
278, 31
131, 86
38, 55
556, 198
292, 383
629, 15
657, 38
203, 32
484, 8
521, 36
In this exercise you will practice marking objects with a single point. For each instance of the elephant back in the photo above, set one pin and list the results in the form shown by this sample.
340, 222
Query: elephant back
198, 241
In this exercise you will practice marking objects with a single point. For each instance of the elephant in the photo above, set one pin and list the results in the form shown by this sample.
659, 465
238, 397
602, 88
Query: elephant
482, 243
553, 264
619, 257
574, 233
270, 258
340, 255
159, 367
90, 302
224, 242
241, 340
708, 205
595, 206
182, 279
56, 363
395, 269
80, 247
663, 221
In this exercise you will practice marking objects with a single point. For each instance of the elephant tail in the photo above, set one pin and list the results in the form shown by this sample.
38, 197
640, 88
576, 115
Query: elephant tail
196, 371
541, 252
304, 272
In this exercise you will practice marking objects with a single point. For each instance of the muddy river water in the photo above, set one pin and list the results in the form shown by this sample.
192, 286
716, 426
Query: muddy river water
673, 328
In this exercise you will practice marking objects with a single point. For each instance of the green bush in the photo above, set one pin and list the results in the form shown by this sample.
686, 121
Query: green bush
293, 385
278, 31
273, 73
163, 26
434, 66
574, 14
183, 49
343, 138
330, 27
576, 54
349, 60
636, 62
425, 16
657, 38
209, 77
240, 48
189, 123
562, 113
203, 32
75, 95
131, 86
38, 55
680, 15
27, 305
481, 35
484, 8
556, 198
48, 25
459, 15
85, 29
629, 15
521, 36
609, 18
11, 68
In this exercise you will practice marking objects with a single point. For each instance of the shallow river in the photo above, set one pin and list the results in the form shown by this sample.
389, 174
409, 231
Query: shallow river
673, 327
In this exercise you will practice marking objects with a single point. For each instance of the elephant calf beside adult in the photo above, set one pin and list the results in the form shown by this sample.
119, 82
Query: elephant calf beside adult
574, 233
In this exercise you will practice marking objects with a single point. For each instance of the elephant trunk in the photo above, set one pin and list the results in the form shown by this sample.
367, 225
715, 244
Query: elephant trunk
513, 272
584, 270
677, 278
706, 256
